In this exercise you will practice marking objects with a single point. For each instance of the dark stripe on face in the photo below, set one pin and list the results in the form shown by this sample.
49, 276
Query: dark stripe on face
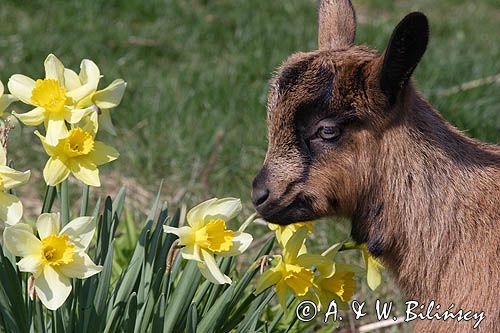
289, 76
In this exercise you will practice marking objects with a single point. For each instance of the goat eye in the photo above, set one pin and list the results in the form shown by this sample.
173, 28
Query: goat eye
328, 133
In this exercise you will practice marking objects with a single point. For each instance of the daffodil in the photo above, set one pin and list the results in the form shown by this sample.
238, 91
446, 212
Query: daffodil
101, 101
53, 100
373, 267
207, 235
11, 208
77, 153
291, 271
55, 257
5, 99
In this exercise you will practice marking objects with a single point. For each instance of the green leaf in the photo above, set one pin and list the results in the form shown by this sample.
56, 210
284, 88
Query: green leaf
181, 297
249, 324
216, 315
130, 314
11, 300
192, 319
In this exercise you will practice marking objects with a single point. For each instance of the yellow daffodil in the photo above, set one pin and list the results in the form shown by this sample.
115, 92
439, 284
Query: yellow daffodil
5, 99
373, 267
77, 153
292, 271
100, 100
11, 208
55, 257
207, 235
53, 101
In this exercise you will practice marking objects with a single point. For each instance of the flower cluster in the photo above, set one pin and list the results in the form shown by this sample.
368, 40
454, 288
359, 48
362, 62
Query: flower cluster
71, 108
311, 276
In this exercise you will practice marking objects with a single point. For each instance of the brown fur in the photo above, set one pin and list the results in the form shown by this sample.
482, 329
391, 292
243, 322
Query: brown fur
422, 195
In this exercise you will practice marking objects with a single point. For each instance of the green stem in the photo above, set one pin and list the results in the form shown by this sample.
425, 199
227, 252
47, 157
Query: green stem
50, 195
64, 202
85, 200
350, 246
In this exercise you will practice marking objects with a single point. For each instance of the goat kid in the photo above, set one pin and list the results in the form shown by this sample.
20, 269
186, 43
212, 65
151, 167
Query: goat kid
350, 136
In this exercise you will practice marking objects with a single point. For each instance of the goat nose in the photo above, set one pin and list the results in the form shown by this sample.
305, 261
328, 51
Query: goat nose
259, 196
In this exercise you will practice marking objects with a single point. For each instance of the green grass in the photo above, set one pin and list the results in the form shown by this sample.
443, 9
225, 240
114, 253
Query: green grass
197, 67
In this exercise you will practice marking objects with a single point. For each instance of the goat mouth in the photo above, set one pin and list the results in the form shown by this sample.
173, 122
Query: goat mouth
299, 210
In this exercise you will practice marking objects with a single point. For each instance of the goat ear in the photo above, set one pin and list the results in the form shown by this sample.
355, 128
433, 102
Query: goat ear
406, 47
336, 24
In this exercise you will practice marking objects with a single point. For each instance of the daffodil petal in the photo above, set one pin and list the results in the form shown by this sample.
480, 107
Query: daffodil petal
106, 123
225, 209
2, 88
91, 124
110, 96
13, 178
373, 277
294, 244
191, 252
76, 115
210, 270
103, 153
85, 171
21, 87
32, 118
50, 150
54, 69
20, 241
52, 288
11, 208
48, 224
310, 260
56, 129
31, 264
195, 216
81, 267
241, 241
80, 231
5, 101
282, 294
326, 269
55, 171
268, 278
71, 79
171, 230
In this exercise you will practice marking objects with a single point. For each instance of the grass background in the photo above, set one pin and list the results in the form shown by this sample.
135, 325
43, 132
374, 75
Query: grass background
197, 73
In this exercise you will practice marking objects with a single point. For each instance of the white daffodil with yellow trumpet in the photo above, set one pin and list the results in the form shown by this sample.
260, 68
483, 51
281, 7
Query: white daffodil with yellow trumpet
11, 208
54, 258
206, 235
77, 153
